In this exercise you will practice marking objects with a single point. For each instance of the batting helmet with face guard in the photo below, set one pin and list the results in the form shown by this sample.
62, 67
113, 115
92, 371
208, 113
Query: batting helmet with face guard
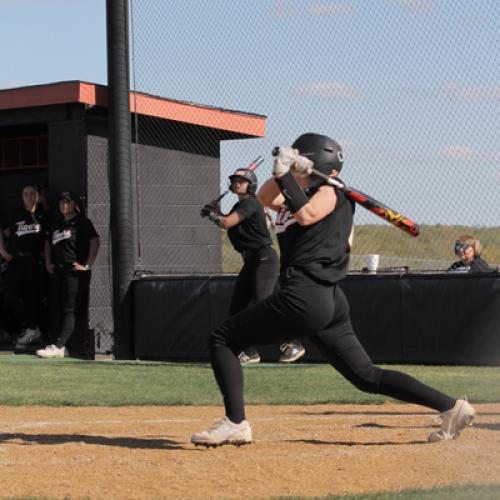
247, 175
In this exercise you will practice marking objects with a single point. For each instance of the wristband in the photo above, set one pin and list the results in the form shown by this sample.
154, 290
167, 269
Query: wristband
295, 198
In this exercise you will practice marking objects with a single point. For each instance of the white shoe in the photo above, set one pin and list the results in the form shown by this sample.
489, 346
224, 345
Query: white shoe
28, 336
454, 421
52, 351
292, 351
249, 359
224, 432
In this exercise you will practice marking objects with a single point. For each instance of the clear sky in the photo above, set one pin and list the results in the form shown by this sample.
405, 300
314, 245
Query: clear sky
410, 88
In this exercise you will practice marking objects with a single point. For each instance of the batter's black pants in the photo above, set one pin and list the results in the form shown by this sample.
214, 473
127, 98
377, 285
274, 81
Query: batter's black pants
303, 307
69, 301
23, 286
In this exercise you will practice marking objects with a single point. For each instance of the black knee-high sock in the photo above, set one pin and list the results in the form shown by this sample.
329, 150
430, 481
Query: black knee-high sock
405, 388
229, 376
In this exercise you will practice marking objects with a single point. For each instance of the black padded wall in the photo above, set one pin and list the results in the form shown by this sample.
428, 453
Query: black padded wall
434, 319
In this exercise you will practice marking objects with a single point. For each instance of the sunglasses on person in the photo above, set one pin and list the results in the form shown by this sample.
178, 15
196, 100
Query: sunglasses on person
461, 246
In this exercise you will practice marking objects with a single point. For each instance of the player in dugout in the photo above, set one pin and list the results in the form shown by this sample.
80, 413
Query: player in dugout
313, 225
248, 231
23, 250
71, 249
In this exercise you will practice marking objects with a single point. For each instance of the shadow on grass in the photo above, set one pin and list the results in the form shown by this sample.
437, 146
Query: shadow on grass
125, 442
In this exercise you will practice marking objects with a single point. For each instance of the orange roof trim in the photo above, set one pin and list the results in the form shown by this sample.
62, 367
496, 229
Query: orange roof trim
143, 104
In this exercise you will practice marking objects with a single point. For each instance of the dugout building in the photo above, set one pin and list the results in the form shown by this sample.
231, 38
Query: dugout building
57, 135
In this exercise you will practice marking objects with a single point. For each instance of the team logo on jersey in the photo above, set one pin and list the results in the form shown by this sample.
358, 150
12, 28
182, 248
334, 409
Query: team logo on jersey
59, 235
22, 229
283, 220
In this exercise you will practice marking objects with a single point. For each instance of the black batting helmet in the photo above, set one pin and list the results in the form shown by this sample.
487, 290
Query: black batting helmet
248, 175
323, 151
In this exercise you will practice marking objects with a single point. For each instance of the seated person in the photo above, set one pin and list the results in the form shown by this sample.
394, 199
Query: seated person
468, 250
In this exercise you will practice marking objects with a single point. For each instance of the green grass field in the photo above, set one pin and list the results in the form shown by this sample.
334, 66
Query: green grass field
447, 493
32, 381
70, 382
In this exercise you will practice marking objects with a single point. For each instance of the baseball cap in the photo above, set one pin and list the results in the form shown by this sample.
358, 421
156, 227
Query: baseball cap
68, 195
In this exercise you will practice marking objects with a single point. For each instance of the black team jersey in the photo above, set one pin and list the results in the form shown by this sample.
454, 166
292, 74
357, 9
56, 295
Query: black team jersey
27, 232
70, 240
251, 234
320, 249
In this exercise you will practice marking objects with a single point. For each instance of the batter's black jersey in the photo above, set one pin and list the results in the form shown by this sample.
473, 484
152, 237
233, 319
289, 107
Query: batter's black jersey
320, 249
70, 240
251, 233
478, 265
27, 232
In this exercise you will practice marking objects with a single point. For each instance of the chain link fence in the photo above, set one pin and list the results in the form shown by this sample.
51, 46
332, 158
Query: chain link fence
408, 88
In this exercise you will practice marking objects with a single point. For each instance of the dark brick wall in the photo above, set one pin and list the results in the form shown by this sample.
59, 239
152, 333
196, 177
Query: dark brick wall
169, 188
100, 311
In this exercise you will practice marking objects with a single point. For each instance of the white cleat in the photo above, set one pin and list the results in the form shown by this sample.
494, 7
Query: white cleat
454, 421
224, 432
52, 351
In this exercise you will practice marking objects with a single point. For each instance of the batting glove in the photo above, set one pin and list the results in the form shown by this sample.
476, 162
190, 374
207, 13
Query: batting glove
302, 166
206, 211
284, 158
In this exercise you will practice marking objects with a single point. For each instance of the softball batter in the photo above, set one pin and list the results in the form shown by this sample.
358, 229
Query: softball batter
313, 225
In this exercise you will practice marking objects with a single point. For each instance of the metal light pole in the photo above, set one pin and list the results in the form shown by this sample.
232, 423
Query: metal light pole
119, 141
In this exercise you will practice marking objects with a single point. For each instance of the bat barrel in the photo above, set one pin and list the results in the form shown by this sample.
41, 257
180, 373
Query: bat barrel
374, 206
258, 161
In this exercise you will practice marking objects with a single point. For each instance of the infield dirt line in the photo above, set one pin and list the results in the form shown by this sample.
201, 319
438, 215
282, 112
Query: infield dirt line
162, 421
